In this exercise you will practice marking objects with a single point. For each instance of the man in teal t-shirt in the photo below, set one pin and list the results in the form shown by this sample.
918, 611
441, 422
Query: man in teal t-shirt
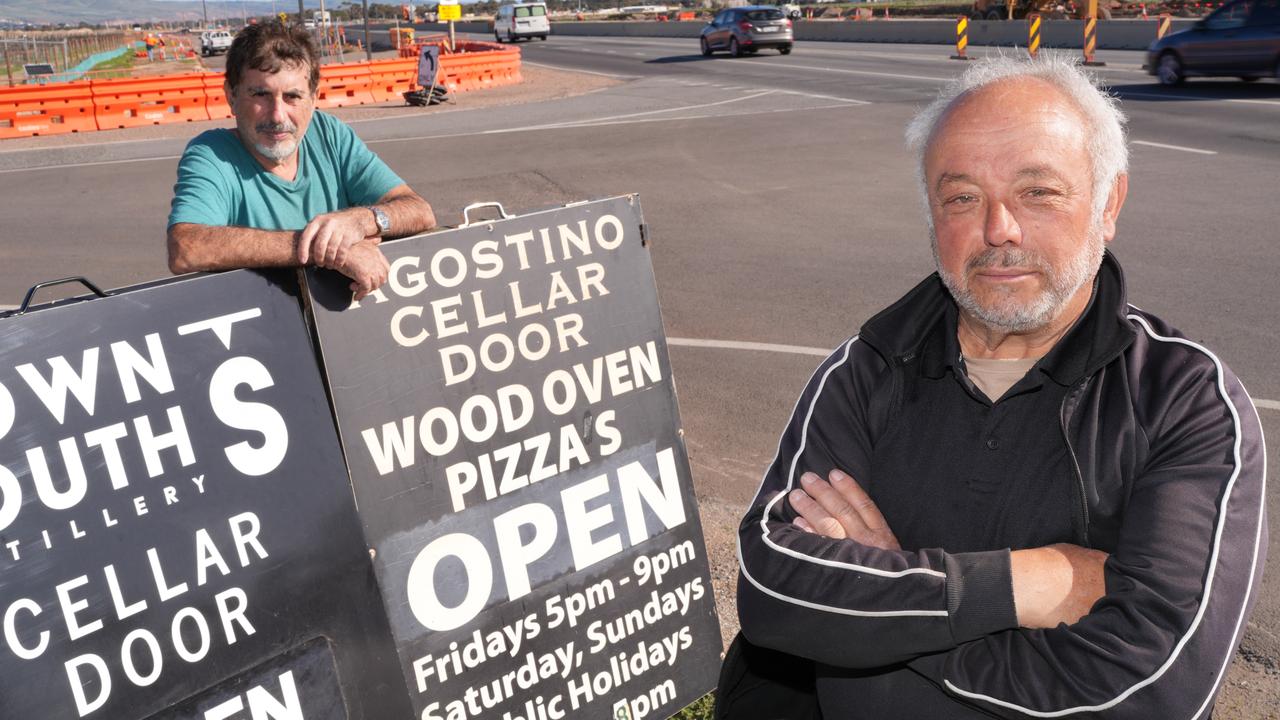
288, 186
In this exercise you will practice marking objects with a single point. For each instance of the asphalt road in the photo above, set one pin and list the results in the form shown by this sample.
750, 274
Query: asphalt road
783, 212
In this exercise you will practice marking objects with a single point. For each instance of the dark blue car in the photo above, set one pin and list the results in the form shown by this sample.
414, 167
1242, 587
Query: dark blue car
1240, 39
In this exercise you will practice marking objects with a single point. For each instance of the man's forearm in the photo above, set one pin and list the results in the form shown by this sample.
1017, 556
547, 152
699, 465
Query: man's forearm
1056, 584
409, 213
195, 248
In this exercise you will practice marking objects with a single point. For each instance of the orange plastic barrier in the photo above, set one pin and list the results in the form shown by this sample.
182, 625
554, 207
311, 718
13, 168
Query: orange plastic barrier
46, 109
342, 85
476, 69
132, 102
215, 99
391, 79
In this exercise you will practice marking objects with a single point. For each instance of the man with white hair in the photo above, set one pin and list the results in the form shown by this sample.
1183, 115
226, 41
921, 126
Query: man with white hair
1012, 494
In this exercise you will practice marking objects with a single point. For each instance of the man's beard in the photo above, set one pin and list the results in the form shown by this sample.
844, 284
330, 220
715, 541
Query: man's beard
1005, 311
282, 150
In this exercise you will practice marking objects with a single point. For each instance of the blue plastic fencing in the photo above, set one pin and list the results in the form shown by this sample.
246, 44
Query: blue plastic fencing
86, 65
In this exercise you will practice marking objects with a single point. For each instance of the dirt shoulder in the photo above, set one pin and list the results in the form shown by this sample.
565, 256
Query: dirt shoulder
539, 84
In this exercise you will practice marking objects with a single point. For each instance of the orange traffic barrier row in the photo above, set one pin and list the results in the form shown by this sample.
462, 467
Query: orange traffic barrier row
487, 65
478, 73
391, 79
130, 102
215, 96
46, 109
343, 85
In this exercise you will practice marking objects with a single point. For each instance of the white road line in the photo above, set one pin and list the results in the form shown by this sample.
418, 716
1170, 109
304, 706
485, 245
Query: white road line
91, 164
1254, 102
824, 352
678, 118
628, 116
737, 345
588, 72
843, 71
1174, 147
1157, 96
83, 145
816, 96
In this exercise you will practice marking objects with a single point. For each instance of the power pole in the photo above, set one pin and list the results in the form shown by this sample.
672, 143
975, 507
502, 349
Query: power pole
4, 45
368, 51
205, 8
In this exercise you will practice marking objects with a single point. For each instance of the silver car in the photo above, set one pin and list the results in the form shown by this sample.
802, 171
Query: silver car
743, 30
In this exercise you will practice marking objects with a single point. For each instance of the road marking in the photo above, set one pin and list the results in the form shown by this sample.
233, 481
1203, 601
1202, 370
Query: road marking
1174, 147
817, 96
84, 145
843, 71
91, 164
1254, 102
628, 116
824, 352
737, 345
681, 118
1171, 96
589, 72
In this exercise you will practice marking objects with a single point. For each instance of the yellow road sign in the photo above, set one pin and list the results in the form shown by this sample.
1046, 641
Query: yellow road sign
450, 12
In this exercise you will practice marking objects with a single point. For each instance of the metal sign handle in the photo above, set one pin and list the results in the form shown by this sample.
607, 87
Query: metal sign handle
26, 301
466, 211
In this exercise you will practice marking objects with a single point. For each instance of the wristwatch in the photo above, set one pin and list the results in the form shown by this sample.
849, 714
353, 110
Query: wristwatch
382, 219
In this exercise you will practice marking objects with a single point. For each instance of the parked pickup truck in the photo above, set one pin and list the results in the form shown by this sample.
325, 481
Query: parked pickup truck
213, 42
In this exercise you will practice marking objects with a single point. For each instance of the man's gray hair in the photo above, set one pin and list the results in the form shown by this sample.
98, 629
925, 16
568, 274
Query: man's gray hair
1104, 121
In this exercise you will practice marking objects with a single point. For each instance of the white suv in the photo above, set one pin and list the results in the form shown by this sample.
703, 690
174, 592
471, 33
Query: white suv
213, 42
521, 20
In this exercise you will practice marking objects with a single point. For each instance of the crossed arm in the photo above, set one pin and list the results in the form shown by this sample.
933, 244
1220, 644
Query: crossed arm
344, 240
1051, 585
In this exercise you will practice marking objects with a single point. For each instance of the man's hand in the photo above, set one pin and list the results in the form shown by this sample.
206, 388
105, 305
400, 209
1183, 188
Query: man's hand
1056, 584
367, 267
841, 509
328, 238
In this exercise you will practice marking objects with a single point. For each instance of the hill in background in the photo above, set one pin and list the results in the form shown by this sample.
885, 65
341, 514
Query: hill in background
73, 12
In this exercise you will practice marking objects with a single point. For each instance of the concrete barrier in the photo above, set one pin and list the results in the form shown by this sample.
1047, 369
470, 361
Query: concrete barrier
1112, 34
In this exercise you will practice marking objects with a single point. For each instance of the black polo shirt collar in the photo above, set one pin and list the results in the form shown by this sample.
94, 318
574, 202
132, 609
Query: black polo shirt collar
908, 331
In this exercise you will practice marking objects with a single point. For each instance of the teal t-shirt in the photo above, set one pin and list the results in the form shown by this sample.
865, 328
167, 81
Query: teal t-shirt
220, 183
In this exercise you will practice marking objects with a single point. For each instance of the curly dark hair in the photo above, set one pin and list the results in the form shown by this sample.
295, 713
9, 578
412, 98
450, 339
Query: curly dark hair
269, 47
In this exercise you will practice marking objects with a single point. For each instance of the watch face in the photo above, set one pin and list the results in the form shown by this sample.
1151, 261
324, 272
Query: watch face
384, 222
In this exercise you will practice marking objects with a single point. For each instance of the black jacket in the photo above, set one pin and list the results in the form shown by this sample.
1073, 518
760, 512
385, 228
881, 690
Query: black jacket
1169, 470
